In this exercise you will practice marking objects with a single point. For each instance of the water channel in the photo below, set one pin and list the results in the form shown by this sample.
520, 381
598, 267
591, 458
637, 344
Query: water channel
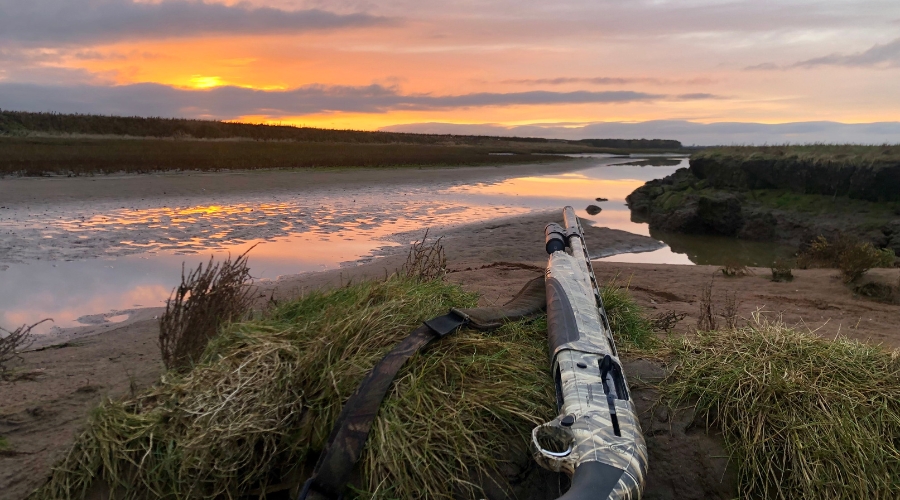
92, 263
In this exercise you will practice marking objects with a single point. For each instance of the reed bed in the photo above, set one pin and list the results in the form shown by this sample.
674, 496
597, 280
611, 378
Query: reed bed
803, 416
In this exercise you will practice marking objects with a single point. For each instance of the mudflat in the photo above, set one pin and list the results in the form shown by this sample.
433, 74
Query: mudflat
59, 218
58, 385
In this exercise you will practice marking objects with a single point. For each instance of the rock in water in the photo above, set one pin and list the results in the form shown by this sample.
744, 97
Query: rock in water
602, 199
593, 209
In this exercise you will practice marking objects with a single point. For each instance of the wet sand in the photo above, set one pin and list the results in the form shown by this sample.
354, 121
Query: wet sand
40, 413
58, 218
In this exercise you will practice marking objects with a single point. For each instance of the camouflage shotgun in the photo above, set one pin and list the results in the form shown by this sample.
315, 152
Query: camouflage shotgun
596, 439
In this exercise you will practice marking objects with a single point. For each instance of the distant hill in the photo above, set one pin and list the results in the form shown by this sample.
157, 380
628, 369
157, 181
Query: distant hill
21, 123
631, 143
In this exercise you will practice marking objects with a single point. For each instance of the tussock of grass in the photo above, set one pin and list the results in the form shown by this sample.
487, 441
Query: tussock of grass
264, 397
804, 417
631, 327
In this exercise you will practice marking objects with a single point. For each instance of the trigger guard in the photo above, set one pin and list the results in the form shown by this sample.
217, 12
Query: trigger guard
547, 453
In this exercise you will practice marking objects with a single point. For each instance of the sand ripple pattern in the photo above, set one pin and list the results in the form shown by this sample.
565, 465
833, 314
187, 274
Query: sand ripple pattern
81, 232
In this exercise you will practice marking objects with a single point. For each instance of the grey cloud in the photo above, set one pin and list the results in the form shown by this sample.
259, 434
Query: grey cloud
606, 80
229, 102
42, 67
699, 96
887, 54
91, 21
686, 132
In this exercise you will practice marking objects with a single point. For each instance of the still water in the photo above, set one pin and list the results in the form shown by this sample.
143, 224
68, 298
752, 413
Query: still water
92, 264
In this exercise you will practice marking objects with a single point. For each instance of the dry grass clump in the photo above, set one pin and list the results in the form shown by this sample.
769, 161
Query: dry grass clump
782, 270
733, 268
12, 343
425, 261
804, 417
851, 256
263, 398
207, 298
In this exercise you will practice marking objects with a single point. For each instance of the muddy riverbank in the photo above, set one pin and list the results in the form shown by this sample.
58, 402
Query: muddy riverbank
790, 198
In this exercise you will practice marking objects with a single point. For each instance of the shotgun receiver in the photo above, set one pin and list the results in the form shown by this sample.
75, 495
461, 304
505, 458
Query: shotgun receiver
596, 439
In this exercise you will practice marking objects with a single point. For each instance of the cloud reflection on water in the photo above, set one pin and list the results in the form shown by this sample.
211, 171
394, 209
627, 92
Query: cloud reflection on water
143, 246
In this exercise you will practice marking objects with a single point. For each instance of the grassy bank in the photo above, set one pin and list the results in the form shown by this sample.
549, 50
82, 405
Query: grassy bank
80, 156
803, 416
262, 401
835, 154
860, 172
264, 398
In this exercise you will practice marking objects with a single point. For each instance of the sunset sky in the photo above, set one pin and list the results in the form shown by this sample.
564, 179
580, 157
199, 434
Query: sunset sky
702, 71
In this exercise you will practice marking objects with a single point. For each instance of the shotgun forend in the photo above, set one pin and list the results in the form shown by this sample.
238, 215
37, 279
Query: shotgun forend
596, 439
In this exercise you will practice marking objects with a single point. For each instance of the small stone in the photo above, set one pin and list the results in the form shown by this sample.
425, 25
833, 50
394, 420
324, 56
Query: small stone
593, 209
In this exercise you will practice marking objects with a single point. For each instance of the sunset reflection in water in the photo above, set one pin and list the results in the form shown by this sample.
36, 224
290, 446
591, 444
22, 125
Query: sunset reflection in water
145, 246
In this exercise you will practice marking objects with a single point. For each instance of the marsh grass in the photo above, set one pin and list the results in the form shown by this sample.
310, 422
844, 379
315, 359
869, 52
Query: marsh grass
630, 325
834, 154
803, 416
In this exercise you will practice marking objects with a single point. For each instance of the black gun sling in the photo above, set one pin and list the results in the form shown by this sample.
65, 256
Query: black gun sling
351, 430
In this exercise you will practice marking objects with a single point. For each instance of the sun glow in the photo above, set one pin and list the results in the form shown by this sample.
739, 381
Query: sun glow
206, 82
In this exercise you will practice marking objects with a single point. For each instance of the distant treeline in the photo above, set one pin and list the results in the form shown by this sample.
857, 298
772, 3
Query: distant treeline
35, 156
18, 122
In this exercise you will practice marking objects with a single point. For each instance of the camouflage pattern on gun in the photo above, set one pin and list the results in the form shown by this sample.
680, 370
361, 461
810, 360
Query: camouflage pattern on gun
596, 439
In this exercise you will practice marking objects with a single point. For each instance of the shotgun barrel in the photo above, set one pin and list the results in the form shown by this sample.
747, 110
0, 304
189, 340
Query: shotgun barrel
596, 439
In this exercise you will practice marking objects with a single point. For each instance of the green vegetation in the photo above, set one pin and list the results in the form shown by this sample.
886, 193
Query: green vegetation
4, 444
833, 154
52, 143
266, 393
817, 204
23, 123
851, 256
782, 270
803, 416
859, 172
631, 327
